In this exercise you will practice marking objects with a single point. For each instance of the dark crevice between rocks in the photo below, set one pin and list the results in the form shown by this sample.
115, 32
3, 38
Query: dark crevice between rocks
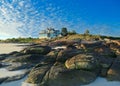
47, 73
3, 79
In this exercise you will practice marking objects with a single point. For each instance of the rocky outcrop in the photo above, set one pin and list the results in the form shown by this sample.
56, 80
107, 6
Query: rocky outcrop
63, 55
3, 56
17, 77
43, 50
37, 73
1, 65
59, 75
113, 73
19, 66
91, 44
82, 61
3, 79
28, 58
71, 66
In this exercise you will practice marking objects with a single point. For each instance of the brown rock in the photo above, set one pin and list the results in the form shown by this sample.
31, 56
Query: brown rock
113, 73
60, 76
82, 61
63, 55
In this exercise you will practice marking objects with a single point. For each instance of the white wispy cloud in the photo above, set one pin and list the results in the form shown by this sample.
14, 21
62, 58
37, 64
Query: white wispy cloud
20, 18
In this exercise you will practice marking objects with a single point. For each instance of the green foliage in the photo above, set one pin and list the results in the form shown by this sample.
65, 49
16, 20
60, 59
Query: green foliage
20, 40
87, 32
73, 32
64, 31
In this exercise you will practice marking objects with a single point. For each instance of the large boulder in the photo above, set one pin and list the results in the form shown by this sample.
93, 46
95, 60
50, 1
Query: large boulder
37, 73
82, 61
51, 56
1, 65
63, 55
58, 75
113, 73
3, 56
16, 77
19, 66
90, 44
105, 64
28, 58
43, 50
105, 51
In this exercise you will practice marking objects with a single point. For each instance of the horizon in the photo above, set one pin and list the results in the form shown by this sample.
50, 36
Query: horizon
25, 18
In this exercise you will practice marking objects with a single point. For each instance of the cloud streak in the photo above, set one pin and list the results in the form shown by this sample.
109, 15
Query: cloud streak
25, 18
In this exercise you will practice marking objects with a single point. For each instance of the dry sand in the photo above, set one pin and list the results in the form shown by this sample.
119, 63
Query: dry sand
9, 47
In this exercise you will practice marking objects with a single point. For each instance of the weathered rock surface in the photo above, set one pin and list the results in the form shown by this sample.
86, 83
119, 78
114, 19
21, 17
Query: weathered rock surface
43, 50
3, 79
59, 75
82, 61
3, 56
63, 55
37, 73
19, 66
28, 58
113, 73
17, 77
71, 66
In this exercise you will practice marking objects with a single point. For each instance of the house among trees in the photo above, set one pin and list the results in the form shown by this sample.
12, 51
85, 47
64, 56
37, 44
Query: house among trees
49, 33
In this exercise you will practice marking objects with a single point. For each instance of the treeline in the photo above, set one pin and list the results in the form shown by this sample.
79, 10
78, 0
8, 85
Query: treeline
86, 34
19, 40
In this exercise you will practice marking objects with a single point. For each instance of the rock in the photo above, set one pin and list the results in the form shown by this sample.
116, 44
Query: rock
58, 75
3, 79
19, 66
103, 72
51, 56
82, 61
63, 55
43, 50
113, 73
3, 56
37, 73
71, 47
105, 63
12, 53
105, 51
91, 44
29, 58
1, 65
17, 77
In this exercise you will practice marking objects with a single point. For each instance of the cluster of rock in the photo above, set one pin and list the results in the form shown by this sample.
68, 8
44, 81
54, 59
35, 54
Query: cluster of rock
77, 64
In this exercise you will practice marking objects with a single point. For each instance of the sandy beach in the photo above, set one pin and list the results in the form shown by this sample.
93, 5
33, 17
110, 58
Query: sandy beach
6, 48
10, 47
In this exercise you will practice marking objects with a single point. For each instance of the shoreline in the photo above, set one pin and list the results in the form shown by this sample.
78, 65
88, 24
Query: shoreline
6, 48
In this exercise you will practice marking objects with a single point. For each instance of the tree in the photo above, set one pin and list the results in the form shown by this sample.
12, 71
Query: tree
72, 32
87, 32
64, 31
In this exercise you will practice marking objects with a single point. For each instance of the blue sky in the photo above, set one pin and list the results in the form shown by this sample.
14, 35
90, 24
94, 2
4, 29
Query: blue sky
25, 18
